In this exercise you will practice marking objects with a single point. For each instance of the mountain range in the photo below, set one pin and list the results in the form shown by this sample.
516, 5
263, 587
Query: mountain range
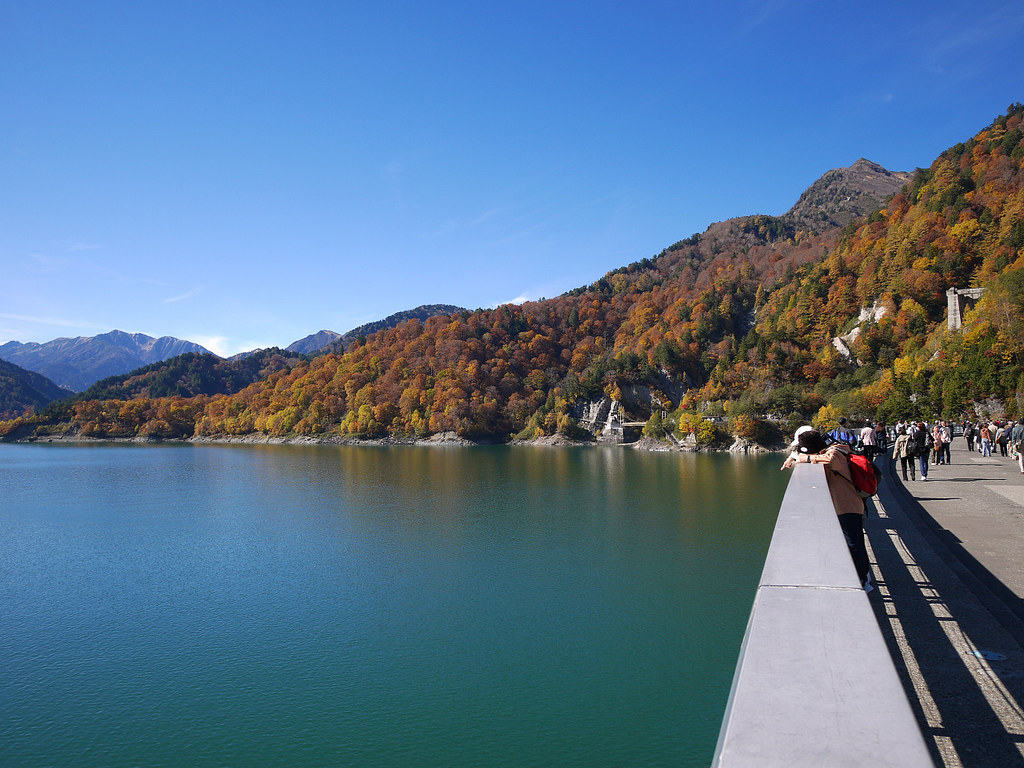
74, 364
422, 312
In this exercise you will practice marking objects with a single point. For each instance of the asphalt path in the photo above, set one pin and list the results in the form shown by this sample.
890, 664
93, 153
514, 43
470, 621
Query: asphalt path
948, 561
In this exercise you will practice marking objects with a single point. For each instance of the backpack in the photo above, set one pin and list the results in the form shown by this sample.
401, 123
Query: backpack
865, 475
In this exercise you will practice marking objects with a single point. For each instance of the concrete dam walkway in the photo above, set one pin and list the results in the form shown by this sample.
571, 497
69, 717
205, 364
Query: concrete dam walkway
948, 559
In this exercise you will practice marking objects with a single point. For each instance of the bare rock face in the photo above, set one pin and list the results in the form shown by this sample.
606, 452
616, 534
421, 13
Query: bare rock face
845, 194
314, 342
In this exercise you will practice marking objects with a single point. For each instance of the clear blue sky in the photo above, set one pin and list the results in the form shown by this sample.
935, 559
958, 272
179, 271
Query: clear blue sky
242, 174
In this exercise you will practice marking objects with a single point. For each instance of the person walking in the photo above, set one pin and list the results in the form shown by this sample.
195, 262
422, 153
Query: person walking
986, 440
936, 444
867, 442
1001, 438
903, 450
809, 447
881, 438
947, 438
969, 435
1017, 439
923, 443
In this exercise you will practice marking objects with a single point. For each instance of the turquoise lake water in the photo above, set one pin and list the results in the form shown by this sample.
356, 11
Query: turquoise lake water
188, 605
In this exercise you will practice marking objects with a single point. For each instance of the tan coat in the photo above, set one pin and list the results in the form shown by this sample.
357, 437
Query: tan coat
902, 448
840, 482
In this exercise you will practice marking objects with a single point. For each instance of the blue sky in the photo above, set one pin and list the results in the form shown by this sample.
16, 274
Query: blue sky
242, 174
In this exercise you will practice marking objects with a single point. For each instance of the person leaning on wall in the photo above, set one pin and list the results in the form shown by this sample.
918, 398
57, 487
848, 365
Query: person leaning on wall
809, 447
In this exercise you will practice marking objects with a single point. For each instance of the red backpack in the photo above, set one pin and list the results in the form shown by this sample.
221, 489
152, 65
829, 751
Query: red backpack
865, 475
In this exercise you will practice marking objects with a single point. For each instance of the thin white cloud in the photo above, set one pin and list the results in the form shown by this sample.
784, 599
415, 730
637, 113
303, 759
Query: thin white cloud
394, 169
219, 345
968, 37
50, 263
760, 13
521, 298
458, 225
187, 295
82, 247
223, 346
486, 215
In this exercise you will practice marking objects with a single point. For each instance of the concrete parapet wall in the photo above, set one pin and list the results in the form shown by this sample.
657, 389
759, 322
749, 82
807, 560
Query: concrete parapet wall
815, 685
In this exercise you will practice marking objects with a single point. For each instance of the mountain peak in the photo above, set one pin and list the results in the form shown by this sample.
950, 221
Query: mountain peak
314, 342
843, 195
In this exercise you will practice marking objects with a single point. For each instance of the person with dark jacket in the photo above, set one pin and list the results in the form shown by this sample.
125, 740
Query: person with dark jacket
841, 434
1001, 438
923, 443
881, 437
1017, 441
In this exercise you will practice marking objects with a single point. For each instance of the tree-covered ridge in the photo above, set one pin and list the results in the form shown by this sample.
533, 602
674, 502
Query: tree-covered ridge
23, 391
422, 312
191, 374
738, 321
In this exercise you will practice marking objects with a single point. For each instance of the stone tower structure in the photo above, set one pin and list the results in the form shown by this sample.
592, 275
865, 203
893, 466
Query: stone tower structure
958, 301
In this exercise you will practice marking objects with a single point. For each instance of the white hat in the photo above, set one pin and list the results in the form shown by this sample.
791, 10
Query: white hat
796, 437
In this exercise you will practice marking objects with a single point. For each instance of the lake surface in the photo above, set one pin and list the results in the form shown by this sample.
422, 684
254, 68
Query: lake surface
217, 605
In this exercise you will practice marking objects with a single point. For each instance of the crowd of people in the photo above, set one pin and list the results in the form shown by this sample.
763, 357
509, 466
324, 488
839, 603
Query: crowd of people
988, 436
923, 444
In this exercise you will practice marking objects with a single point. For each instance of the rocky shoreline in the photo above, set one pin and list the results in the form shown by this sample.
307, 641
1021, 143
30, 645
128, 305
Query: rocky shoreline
440, 439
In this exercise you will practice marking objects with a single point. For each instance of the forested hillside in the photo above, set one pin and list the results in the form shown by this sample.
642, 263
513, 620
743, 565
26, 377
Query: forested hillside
738, 322
192, 374
23, 391
422, 312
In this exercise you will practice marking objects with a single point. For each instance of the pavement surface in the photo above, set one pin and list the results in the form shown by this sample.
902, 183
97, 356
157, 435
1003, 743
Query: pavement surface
948, 561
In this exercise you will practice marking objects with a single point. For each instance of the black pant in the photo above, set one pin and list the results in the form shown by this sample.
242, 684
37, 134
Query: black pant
853, 529
907, 461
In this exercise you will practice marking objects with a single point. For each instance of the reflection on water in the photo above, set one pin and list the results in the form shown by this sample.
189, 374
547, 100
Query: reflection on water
297, 605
